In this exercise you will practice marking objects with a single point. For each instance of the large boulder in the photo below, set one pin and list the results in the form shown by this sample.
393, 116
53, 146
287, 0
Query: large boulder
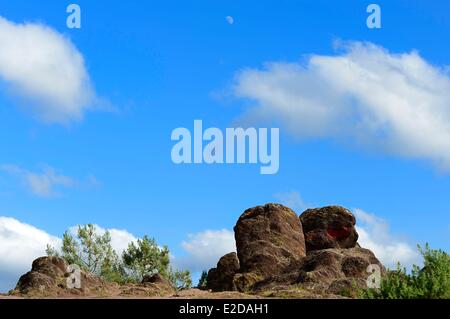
49, 276
268, 239
329, 227
221, 277
46, 274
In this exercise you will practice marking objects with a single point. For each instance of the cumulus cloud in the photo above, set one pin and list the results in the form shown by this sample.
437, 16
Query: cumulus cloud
204, 249
395, 103
44, 69
292, 200
42, 184
20, 244
374, 234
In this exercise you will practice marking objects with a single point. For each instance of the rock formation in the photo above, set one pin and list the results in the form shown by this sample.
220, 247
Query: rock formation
221, 277
277, 250
50, 277
279, 254
45, 273
329, 227
339, 270
268, 238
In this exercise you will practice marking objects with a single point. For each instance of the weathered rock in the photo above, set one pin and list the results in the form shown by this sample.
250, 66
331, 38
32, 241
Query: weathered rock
34, 280
329, 227
49, 278
329, 271
51, 266
338, 271
154, 279
246, 281
268, 239
221, 277
46, 273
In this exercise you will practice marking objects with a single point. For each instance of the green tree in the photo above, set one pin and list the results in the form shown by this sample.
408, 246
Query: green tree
180, 279
432, 281
92, 252
146, 257
203, 279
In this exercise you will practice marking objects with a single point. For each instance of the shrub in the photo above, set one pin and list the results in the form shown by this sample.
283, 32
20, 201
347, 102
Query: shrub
202, 283
430, 282
180, 279
146, 257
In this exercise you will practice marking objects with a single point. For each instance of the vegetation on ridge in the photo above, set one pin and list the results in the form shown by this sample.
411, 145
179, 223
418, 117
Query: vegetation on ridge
94, 253
432, 281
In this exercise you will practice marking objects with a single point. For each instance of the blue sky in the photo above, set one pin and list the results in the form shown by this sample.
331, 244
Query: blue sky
158, 65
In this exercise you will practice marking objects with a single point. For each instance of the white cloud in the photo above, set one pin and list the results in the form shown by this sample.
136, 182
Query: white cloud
43, 184
120, 239
292, 200
44, 68
20, 244
204, 249
396, 103
374, 234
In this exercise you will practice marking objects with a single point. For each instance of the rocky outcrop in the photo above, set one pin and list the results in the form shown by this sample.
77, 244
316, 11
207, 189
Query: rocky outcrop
268, 239
337, 270
48, 278
46, 274
329, 227
221, 277
316, 254
279, 254
332, 271
52, 277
